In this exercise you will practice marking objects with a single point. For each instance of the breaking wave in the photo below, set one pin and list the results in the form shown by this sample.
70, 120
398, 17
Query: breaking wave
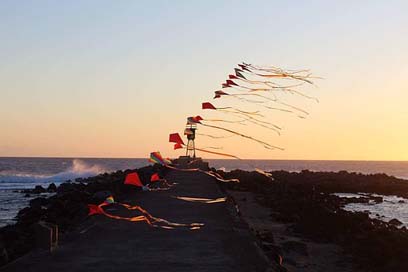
78, 169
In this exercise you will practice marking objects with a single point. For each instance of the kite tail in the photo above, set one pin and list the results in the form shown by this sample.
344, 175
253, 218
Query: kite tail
267, 83
225, 109
172, 224
256, 89
131, 219
285, 75
292, 107
275, 129
146, 217
215, 137
244, 99
218, 153
211, 147
270, 84
272, 69
274, 99
278, 109
245, 136
237, 96
280, 73
225, 121
302, 94
260, 121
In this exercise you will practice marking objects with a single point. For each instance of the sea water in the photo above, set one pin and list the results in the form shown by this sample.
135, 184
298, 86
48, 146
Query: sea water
23, 173
391, 207
26, 173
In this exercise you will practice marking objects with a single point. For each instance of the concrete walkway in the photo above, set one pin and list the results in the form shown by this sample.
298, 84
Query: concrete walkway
114, 245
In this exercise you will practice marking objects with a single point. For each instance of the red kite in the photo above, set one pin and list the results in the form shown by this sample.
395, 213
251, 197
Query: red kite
208, 105
175, 138
133, 179
154, 177
94, 209
177, 146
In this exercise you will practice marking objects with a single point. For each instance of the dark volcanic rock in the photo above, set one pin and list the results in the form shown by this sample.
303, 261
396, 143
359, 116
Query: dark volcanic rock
38, 190
100, 196
30, 215
395, 222
376, 199
52, 188
38, 202
306, 201
66, 187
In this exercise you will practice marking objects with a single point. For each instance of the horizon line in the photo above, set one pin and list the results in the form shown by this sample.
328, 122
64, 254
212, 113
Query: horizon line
252, 159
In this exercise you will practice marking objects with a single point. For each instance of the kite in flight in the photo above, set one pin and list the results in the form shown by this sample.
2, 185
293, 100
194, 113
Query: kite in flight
261, 88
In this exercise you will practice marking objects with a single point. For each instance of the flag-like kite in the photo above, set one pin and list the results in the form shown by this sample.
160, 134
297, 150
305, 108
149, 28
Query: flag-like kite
177, 146
156, 157
196, 120
175, 138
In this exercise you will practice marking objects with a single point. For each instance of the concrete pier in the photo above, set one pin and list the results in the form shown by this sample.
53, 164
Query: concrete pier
104, 244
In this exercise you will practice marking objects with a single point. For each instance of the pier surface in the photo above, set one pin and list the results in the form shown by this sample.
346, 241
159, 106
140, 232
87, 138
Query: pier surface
104, 244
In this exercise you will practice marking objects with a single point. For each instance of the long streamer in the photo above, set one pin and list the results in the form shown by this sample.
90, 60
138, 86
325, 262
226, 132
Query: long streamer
146, 216
265, 144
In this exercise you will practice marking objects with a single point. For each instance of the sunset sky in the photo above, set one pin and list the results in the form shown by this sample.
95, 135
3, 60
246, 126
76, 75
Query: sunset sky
114, 78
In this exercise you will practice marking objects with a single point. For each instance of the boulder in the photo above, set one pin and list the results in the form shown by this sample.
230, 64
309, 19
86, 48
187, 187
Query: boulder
395, 222
65, 187
38, 190
38, 202
52, 188
30, 215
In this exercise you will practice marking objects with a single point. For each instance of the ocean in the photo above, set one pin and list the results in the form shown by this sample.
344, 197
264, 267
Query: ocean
22, 173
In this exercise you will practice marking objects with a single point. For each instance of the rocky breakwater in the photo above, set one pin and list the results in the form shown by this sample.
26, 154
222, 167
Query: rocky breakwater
67, 207
306, 201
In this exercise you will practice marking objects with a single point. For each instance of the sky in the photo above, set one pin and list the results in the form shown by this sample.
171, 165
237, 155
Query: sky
114, 78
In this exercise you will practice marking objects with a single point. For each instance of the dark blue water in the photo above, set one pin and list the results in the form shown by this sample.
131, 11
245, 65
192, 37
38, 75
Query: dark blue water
19, 173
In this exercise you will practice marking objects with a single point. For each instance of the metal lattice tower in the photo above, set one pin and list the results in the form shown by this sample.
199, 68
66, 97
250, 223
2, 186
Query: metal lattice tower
190, 133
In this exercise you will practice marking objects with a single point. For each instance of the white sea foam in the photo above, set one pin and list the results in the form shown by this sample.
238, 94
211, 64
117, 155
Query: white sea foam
391, 207
42, 172
12, 179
